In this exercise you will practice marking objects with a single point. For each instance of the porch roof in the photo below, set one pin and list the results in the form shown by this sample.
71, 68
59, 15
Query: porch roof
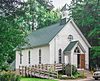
70, 46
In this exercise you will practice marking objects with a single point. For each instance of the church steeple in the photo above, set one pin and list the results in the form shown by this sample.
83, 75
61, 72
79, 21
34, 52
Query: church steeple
64, 14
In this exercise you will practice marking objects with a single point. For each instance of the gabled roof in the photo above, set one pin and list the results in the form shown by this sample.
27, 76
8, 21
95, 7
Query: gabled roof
43, 36
70, 46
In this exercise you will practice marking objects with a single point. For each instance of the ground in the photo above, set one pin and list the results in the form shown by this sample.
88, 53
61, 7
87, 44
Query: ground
35, 79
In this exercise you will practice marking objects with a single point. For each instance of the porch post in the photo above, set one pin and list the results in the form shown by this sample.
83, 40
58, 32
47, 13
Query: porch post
63, 58
71, 63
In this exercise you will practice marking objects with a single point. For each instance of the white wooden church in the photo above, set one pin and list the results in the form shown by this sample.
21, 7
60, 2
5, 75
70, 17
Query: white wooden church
62, 42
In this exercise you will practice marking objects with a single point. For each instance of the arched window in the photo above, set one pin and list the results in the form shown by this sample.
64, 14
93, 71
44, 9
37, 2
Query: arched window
60, 56
70, 37
29, 57
39, 56
20, 57
77, 50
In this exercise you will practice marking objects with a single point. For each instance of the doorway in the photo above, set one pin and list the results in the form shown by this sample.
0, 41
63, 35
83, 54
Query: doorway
81, 61
78, 60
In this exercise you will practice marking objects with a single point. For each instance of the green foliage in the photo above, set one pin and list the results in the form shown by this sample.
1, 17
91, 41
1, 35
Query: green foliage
9, 7
95, 56
33, 15
9, 76
96, 51
10, 36
79, 75
86, 15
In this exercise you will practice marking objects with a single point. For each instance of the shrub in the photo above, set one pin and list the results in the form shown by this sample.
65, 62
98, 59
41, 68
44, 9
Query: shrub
9, 76
68, 69
82, 75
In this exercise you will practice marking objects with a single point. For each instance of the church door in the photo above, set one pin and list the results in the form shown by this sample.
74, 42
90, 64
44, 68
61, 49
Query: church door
81, 61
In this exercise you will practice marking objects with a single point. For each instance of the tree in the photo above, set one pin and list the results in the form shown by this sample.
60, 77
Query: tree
10, 37
9, 7
86, 15
35, 14
10, 33
17, 20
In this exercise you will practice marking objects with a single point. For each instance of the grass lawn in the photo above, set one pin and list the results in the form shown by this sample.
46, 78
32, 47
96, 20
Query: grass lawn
35, 79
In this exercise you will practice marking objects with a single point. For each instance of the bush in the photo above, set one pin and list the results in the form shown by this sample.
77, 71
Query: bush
9, 76
79, 75
68, 69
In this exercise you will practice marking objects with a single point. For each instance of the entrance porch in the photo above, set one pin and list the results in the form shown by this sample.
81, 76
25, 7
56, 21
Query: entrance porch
74, 54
